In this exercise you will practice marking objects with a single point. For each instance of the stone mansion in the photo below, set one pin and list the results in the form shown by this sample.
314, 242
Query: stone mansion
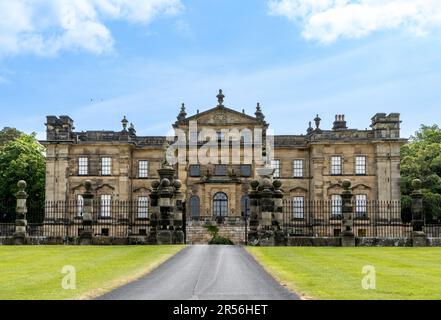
311, 166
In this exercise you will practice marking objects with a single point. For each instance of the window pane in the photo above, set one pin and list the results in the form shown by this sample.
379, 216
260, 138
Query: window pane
336, 205
245, 170
361, 204
276, 166
105, 205
336, 167
195, 171
143, 170
143, 207
245, 206
298, 168
220, 204
360, 165
106, 166
194, 206
220, 170
83, 166
298, 207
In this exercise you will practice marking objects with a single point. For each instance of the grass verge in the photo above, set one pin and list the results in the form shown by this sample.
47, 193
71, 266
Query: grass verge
35, 272
336, 273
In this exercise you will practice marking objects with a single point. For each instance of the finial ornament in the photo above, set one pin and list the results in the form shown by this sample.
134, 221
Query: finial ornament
259, 114
317, 122
182, 114
310, 129
124, 123
220, 98
165, 147
132, 129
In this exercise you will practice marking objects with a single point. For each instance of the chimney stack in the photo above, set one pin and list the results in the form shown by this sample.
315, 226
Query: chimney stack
340, 122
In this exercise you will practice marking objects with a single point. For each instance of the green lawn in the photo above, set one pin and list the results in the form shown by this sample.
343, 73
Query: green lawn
35, 272
336, 273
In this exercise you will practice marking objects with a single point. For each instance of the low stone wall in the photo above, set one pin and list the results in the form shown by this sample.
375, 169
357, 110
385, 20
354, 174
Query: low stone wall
383, 242
198, 234
313, 242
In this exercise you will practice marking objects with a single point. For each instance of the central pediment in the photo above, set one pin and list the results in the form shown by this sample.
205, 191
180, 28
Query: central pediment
221, 115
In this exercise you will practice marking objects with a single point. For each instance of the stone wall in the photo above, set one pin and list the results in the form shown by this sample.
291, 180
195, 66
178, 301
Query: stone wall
197, 234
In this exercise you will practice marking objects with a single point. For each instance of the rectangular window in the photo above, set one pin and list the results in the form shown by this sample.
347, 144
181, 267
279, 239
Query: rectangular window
360, 165
143, 169
106, 166
298, 168
361, 205
245, 170
106, 202
336, 206
276, 166
220, 170
298, 207
143, 207
195, 170
336, 165
80, 205
83, 166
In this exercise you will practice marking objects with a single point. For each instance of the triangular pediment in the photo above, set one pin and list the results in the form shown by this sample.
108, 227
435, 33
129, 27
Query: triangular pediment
222, 116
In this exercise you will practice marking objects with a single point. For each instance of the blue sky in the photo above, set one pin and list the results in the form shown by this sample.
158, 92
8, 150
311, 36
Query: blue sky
98, 60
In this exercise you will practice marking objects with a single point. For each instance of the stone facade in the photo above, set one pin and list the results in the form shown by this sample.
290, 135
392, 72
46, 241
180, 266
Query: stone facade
123, 165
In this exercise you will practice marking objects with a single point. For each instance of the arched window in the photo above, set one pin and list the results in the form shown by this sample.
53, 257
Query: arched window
245, 206
220, 204
194, 206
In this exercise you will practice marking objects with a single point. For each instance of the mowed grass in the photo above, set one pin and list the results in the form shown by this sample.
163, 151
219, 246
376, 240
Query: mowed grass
336, 273
36, 272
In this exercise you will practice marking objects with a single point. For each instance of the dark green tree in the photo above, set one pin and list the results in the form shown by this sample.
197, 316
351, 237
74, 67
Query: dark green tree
421, 159
9, 134
22, 158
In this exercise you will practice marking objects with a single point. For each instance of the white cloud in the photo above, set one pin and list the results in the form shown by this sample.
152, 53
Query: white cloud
328, 20
46, 27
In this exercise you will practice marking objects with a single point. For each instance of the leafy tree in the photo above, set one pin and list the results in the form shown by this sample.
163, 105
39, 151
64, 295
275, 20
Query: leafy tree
421, 159
9, 134
22, 158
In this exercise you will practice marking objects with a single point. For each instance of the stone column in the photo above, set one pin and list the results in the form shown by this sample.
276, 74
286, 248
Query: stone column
169, 200
86, 234
418, 236
266, 206
21, 235
280, 234
178, 198
154, 212
348, 237
254, 213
